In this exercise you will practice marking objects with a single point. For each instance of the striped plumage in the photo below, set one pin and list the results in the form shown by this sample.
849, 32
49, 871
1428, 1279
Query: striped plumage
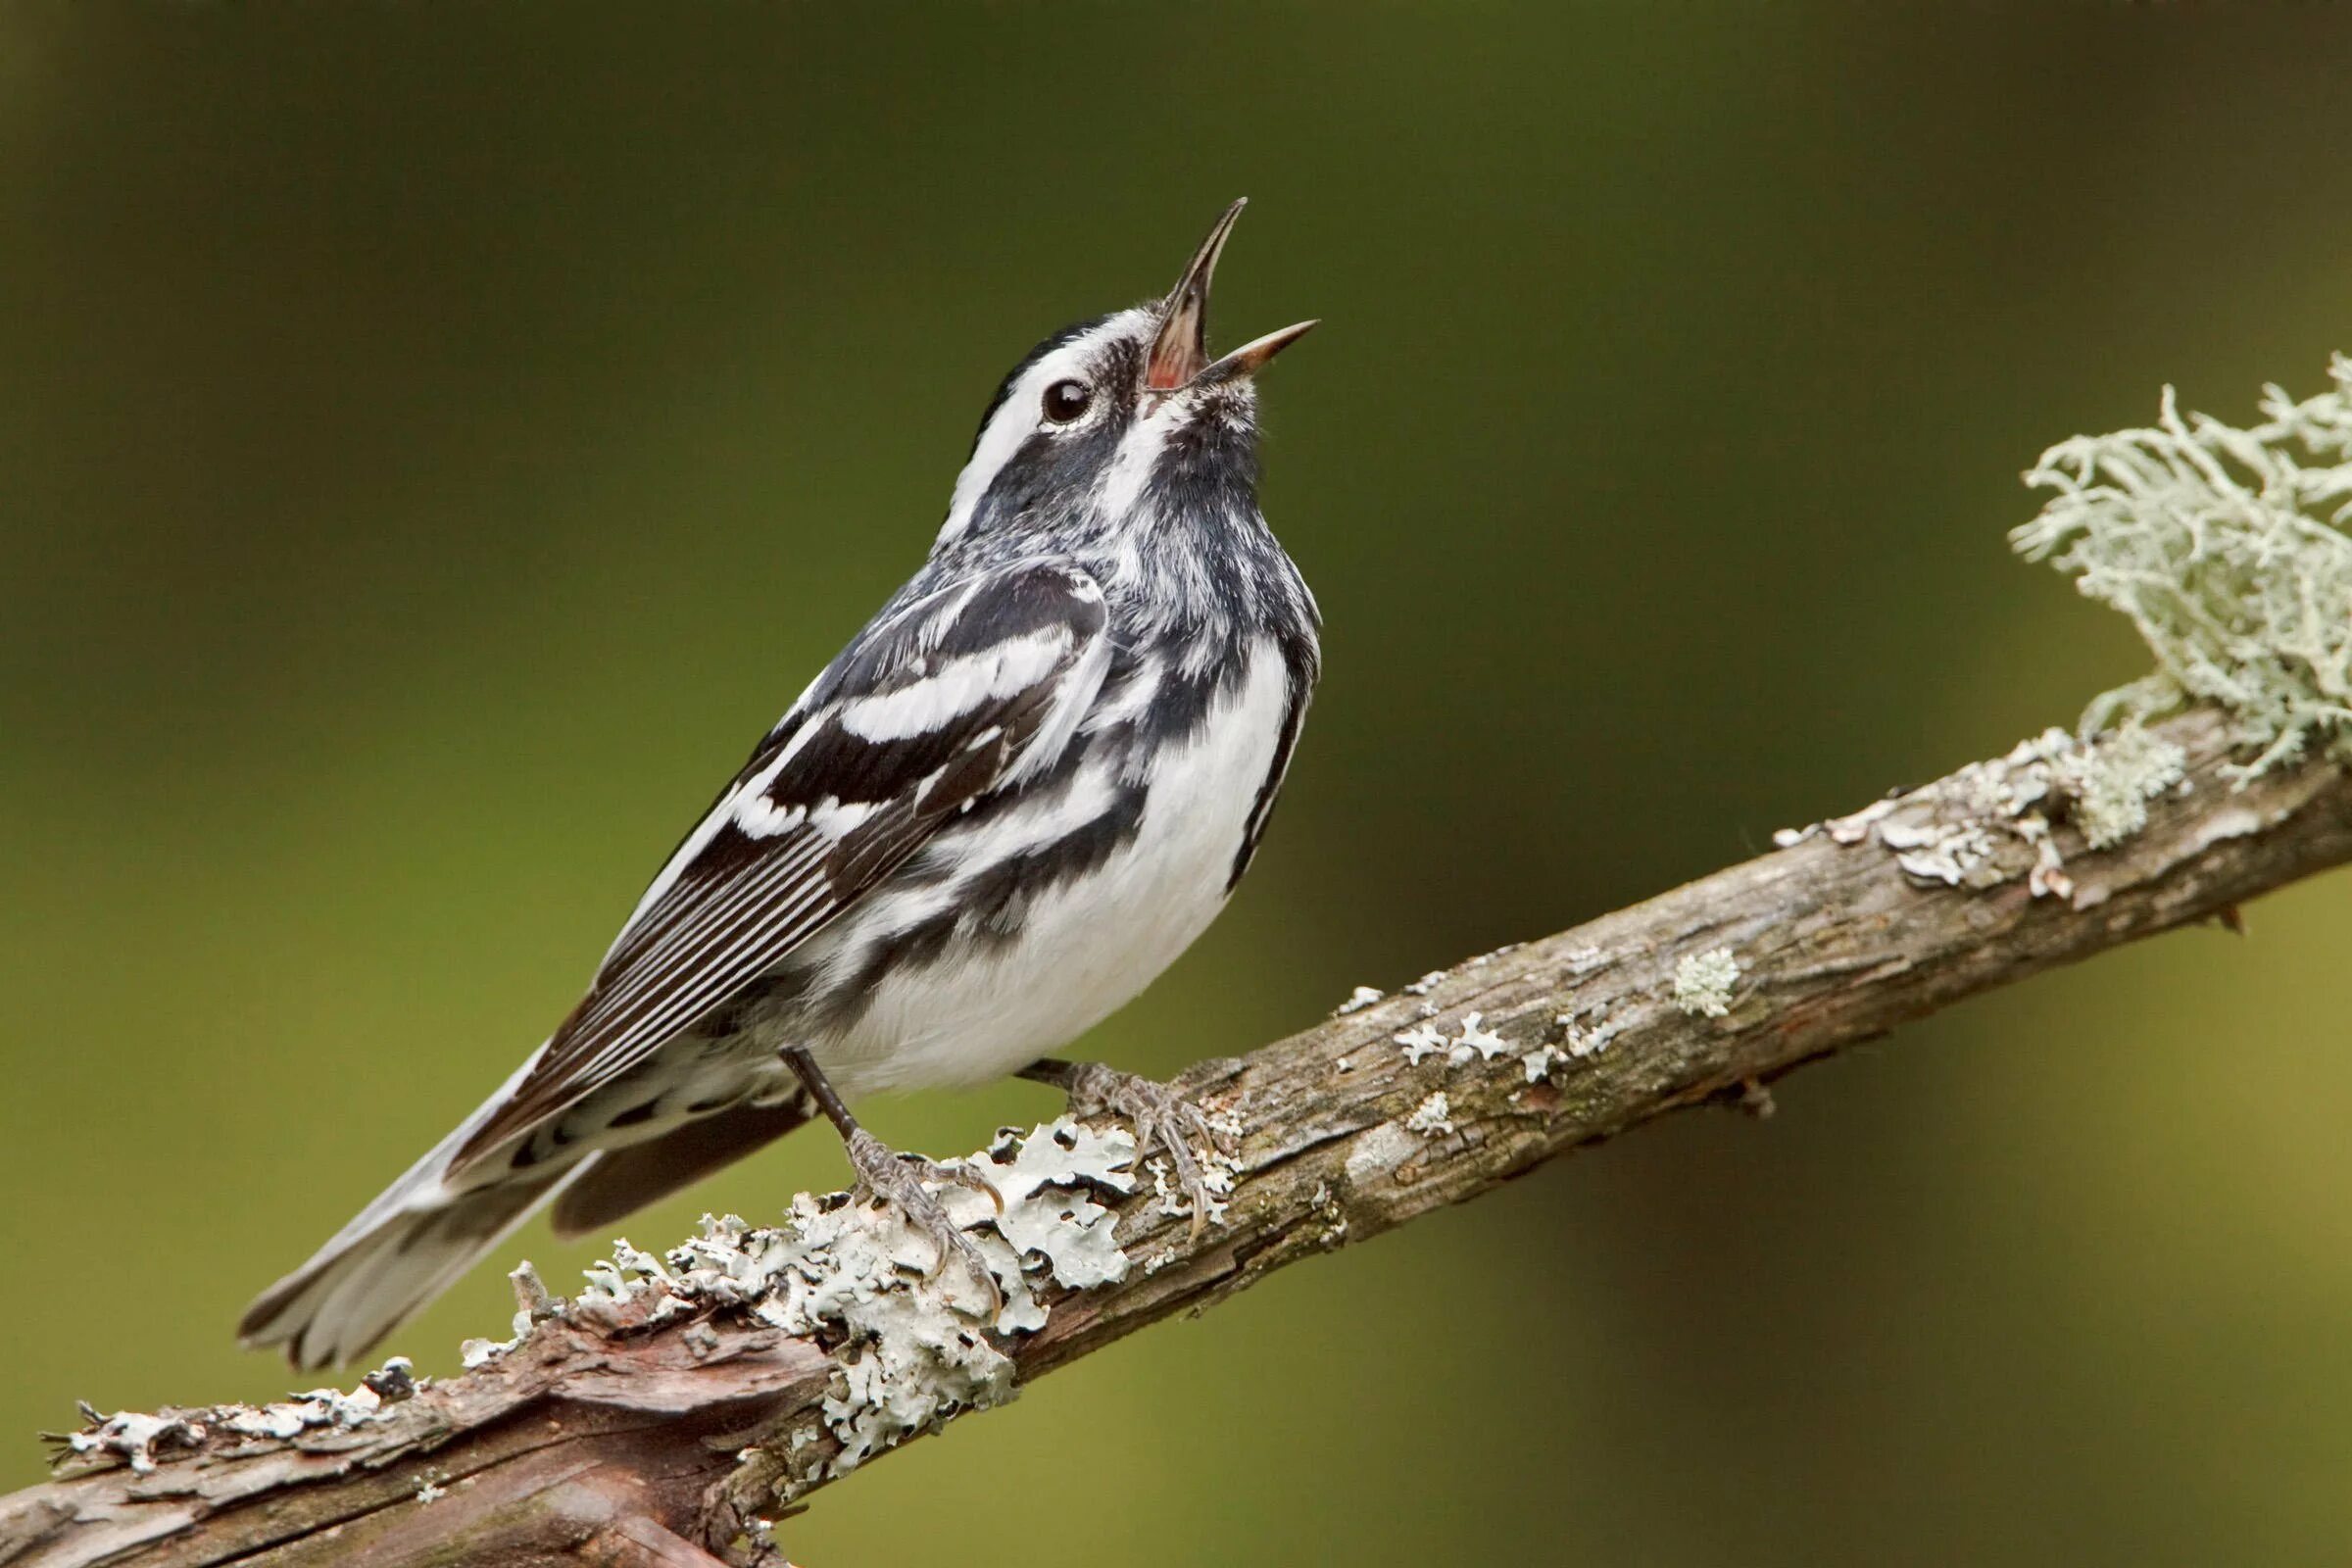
1016, 796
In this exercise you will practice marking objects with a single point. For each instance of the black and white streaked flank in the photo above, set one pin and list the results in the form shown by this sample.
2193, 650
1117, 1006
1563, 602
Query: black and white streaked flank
1003, 810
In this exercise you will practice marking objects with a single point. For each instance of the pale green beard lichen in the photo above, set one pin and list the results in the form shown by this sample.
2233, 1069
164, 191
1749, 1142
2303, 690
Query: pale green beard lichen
2228, 550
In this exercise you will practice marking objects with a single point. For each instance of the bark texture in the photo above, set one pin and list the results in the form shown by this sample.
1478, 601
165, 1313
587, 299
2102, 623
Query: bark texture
623, 1442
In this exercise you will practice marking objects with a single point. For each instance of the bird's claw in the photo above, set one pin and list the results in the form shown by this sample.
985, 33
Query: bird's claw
1164, 1121
899, 1180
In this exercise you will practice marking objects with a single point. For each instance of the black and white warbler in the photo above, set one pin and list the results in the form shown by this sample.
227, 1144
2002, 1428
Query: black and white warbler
1009, 803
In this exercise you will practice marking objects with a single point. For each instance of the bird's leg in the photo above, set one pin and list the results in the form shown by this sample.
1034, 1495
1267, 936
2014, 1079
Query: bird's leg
898, 1180
1166, 1123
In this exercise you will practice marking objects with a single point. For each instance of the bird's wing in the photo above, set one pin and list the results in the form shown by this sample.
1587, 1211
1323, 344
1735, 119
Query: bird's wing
964, 690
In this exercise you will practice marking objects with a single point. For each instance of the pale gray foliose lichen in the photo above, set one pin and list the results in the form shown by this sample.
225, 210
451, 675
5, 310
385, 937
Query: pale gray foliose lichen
912, 1350
2227, 549
1473, 1041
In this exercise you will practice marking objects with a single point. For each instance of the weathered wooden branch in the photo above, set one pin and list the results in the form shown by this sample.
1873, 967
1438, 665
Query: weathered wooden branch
608, 1438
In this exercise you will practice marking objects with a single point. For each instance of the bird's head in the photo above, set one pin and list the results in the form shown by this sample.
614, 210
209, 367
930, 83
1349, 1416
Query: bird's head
1115, 423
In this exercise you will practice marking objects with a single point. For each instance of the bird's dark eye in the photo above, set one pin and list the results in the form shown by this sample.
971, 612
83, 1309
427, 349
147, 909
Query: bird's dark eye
1066, 400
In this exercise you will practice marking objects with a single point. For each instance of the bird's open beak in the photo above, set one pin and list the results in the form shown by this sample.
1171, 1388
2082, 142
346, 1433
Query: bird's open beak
1180, 353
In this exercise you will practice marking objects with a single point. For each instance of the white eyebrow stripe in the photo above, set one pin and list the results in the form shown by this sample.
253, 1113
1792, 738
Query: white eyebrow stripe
1017, 419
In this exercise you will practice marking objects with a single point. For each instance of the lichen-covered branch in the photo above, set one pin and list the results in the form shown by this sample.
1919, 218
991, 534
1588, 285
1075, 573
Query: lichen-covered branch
674, 1408
680, 1404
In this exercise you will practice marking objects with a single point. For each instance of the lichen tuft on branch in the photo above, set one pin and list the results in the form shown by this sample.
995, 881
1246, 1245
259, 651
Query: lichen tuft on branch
2227, 548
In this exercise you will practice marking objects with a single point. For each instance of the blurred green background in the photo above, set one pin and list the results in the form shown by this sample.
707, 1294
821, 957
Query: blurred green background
435, 442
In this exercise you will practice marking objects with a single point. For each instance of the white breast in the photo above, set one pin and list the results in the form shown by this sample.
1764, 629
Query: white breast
1087, 949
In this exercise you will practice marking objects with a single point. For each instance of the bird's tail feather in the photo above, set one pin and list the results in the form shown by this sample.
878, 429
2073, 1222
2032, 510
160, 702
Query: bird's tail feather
399, 1252
359, 1286
434, 1223
616, 1183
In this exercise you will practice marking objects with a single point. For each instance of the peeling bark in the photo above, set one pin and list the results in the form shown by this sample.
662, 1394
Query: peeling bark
620, 1442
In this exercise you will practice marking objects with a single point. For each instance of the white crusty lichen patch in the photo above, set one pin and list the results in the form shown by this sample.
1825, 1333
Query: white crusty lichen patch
2227, 549
1472, 1039
2113, 780
1952, 830
133, 1436
1431, 1118
1703, 982
136, 1438
1584, 1031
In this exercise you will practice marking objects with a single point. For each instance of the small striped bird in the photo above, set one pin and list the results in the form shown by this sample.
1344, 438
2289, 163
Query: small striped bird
1003, 810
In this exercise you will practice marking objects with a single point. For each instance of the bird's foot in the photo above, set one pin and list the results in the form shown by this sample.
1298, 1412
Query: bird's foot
1165, 1123
901, 1180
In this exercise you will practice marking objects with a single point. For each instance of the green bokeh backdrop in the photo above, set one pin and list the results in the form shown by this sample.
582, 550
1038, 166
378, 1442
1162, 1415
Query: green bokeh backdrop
435, 442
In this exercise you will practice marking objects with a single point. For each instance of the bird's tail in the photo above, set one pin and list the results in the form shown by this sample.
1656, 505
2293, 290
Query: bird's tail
399, 1252
433, 1224
384, 1266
